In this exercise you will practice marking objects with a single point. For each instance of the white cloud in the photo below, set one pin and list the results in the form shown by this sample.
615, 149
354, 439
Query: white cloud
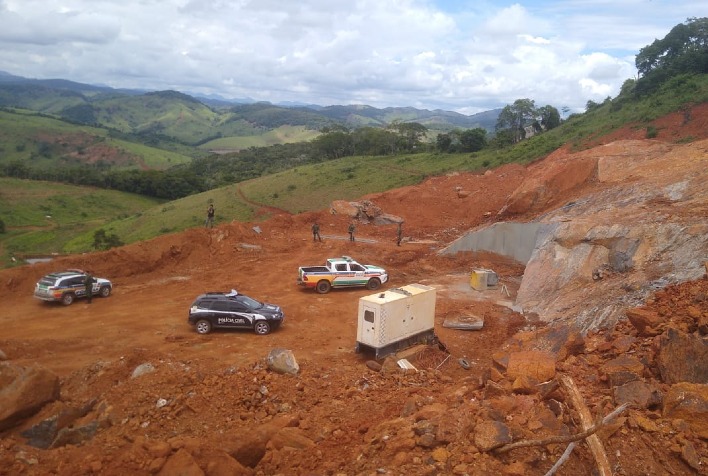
422, 53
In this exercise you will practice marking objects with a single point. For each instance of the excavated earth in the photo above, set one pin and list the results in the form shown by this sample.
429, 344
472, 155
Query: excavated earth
132, 389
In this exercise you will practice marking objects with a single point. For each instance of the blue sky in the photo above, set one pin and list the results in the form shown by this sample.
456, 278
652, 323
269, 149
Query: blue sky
460, 55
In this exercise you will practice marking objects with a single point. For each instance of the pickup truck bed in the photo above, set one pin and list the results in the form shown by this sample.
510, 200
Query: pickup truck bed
315, 269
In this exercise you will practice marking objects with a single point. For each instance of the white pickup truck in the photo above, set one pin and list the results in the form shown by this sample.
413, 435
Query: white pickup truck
341, 272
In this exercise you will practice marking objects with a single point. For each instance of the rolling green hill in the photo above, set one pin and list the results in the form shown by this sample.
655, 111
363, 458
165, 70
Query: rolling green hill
46, 142
182, 118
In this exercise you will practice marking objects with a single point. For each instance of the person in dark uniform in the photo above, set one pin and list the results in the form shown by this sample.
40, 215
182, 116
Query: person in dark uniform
88, 286
209, 223
316, 232
399, 235
352, 229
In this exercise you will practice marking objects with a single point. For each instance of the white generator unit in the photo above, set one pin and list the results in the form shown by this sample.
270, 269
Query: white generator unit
395, 319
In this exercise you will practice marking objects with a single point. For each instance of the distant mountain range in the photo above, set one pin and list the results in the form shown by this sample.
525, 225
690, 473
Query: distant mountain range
194, 119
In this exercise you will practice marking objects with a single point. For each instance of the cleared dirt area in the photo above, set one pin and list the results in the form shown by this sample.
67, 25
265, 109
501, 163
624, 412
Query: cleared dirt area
218, 392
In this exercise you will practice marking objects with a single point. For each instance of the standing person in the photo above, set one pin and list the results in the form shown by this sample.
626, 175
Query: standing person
399, 235
352, 229
209, 223
316, 232
88, 286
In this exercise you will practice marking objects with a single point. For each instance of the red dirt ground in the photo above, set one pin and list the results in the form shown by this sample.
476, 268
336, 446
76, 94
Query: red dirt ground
214, 383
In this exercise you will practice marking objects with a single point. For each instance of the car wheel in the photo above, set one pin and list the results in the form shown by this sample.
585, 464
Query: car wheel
67, 299
203, 326
105, 291
323, 286
262, 328
373, 283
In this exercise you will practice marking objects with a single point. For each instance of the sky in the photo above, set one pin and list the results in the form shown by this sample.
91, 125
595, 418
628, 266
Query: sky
467, 56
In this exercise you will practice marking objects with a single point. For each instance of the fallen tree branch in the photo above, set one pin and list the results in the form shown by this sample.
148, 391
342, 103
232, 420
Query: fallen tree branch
586, 420
565, 439
561, 460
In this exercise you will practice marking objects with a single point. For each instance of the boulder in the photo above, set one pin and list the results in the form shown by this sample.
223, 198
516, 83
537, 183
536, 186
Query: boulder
250, 446
535, 364
290, 437
24, 391
44, 433
142, 369
682, 357
623, 369
639, 394
386, 219
283, 361
490, 434
342, 207
688, 402
221, 464
645, 321
181, 463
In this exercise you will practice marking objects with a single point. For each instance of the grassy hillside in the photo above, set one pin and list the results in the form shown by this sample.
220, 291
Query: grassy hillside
42, 217
48, 142
171, 217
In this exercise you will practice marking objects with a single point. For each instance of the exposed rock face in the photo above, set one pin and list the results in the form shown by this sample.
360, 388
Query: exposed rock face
23, 391
618, 245
544, 186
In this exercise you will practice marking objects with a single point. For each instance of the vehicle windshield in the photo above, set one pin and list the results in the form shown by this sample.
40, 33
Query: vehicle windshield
250, 302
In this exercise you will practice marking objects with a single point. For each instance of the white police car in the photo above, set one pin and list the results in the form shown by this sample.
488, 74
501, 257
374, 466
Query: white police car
67, 286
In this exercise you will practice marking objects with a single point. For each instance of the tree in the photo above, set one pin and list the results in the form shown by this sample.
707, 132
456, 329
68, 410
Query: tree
104, 241
334, 144
473, 140
516, 116
411, 132
443, 142
683, 50
549, 117
628, 87
590, 105
372, 141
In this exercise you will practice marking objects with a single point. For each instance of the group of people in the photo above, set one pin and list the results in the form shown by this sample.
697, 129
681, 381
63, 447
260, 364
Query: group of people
351, 230
209, 223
